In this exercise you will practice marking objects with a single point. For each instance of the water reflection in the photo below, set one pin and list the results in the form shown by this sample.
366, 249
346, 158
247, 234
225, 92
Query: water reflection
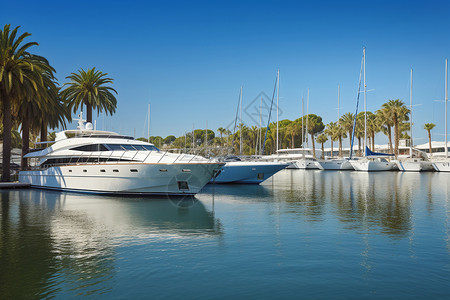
377, 200
53, 241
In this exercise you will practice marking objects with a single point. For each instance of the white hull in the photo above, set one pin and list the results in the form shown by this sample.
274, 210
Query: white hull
414, 166
372, 166
335, 164
442, 166
124, 178
306, 164
248, 172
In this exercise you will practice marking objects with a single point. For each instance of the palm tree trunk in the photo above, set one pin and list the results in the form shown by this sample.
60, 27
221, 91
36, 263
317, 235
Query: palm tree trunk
331, 148
25, 142
313, 145
88, 113
323, 152
396, 137
429, 143
7, 125
390, 138
373, 141
293, 144
44, 132
340, 146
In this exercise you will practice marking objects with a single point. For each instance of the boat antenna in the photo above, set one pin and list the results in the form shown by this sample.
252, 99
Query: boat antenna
356, 112
410, 118
270, 113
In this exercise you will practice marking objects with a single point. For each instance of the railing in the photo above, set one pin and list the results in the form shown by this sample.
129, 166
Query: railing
120, 157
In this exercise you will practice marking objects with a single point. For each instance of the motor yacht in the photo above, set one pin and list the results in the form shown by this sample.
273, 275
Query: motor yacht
92, 161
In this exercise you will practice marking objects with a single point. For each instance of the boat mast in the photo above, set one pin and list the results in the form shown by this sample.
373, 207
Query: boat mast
278, 98
446, 100
307, 119
240, 125
260, 134
365, 101
148, 125
410, 118
303, 129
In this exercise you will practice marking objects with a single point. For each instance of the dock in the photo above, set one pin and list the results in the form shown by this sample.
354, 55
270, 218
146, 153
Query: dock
14, 185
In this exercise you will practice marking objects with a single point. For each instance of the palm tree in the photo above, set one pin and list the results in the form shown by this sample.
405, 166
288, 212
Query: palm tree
293, 130
315, 125
20, 78
385, 118
331, 131
321, 139
399, 114
90, 88
346, 122
221, 131
428, 127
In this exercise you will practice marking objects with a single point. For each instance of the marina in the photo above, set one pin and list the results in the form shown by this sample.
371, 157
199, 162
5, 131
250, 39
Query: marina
321, 235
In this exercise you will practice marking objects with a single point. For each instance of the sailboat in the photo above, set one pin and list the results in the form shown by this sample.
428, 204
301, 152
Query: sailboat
337, 164
415, 162
372, 161
237, 170
443, 165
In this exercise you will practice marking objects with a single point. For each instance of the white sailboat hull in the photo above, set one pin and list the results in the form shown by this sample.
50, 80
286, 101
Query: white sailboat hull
414, 166
335, 164
442, 166
306, 164
372, 166
124, 178
248, 172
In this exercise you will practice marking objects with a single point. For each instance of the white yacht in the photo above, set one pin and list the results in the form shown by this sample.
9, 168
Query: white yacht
254, 172
296, 158
87, 160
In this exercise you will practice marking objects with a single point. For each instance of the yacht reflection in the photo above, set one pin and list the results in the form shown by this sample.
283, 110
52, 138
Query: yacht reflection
51, 238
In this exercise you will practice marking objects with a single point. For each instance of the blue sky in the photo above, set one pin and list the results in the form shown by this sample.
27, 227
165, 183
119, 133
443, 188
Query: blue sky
189, 58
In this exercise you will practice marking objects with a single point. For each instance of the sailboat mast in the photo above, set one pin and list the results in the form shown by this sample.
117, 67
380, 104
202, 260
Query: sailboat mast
278, 98
410, 118
260, 120
240, 125
307, 119
365, 99
303, 129
446, 100
148, 125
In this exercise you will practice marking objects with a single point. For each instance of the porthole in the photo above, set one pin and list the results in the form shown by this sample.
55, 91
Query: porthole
186, 170
115, 170
70, 171
85, 171
133, 170
163, 170
102, 170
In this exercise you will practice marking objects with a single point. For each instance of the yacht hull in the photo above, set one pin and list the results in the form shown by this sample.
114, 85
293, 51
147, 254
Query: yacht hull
372, 166
141, 179
248, 172
306, 164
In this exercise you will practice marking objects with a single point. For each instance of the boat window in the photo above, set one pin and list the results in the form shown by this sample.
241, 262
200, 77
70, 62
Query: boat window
133, 170
150, 148
102, 170
139, 147
115, 170
114, 147
92, 147
163, 170
128, 147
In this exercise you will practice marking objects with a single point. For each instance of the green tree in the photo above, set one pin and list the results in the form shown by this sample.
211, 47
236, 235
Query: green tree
90, 88
346, 121
399, 114
428, 127
20, 78
322, 139
331, 130
315, 126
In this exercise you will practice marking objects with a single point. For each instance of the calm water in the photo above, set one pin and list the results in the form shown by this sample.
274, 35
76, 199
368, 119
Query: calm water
304, 234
